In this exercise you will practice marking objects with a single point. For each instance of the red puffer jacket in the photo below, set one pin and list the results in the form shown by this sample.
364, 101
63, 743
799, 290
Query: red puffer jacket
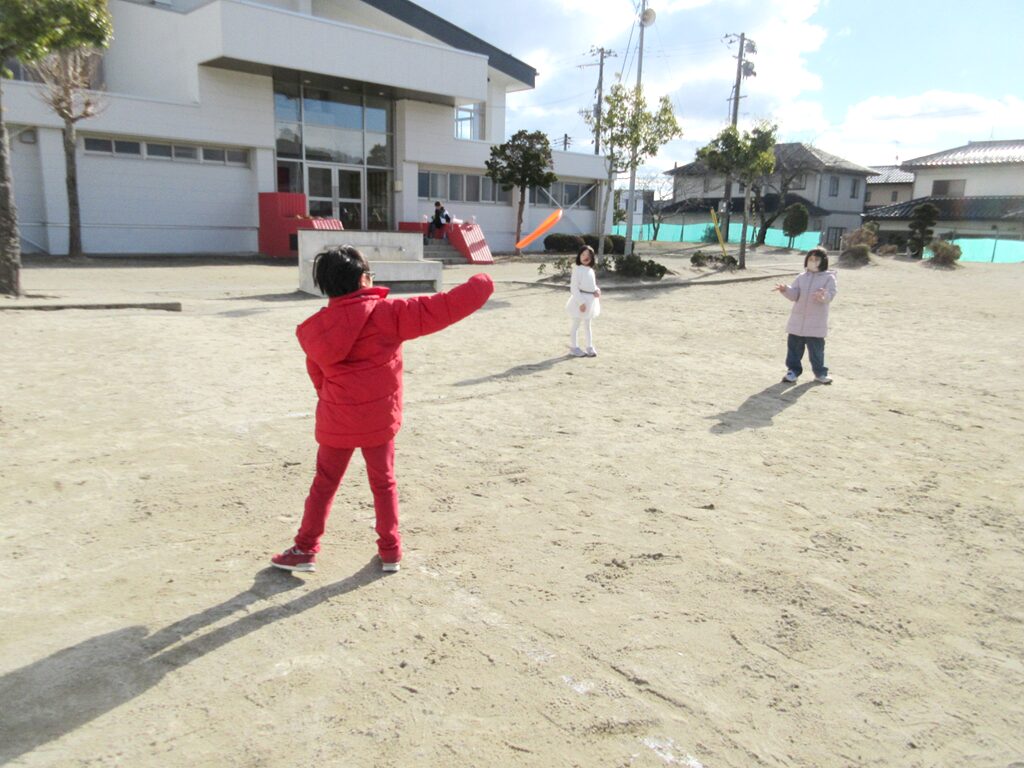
353, 352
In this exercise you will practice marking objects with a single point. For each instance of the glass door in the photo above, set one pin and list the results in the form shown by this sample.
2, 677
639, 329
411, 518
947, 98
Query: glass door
336, 193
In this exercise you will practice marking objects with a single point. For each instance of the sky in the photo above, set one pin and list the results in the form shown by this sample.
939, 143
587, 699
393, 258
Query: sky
874, 82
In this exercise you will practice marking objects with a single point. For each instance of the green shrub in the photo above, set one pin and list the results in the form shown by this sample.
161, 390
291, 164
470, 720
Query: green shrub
654, 269
701, 259
563, 242
618, 244
634, 266
856, 256
944, 254
709, 236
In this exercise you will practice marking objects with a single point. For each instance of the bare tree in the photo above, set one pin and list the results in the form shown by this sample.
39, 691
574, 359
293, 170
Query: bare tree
662, 187
68, 78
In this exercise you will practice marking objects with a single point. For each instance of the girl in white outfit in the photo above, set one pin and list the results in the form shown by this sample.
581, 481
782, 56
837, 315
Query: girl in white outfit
584, 302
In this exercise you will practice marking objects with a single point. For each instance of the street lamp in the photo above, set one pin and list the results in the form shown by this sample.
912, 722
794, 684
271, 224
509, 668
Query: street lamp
647, 16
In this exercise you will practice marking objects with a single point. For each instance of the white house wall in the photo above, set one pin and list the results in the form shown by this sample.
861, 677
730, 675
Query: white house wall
980, 180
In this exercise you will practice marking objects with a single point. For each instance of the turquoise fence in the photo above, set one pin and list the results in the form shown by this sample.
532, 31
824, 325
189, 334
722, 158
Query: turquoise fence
695, 233
991, 250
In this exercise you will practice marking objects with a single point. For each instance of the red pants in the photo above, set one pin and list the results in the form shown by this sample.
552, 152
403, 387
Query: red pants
331, 464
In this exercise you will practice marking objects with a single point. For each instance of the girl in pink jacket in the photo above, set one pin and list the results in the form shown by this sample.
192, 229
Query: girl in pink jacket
353, 352
811, 294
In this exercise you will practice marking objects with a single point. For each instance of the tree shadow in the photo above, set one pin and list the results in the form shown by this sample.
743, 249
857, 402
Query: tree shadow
519, 370
758, 410
53, 696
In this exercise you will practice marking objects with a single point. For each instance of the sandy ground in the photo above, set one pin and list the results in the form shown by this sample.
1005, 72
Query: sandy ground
661, 556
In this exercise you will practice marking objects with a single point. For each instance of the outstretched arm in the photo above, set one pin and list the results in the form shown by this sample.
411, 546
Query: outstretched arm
429, 314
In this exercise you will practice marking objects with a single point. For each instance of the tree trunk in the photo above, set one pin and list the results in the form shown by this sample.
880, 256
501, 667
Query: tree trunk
10, 239
743, 237
71, 181
609, 194
519, 219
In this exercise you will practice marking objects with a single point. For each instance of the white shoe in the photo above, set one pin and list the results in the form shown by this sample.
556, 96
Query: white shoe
591, 352
577, 352
790, 377
826, 379
390, 567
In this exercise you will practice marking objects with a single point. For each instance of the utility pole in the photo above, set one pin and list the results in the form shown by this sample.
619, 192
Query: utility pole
741, 72
602, 54
566, 141
646, 18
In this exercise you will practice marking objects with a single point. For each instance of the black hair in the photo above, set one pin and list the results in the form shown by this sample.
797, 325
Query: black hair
822, 254
593, 257
336, 271
436, 204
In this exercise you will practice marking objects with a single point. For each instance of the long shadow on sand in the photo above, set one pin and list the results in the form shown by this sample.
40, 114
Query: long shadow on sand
519, 370
759, 409
53, 696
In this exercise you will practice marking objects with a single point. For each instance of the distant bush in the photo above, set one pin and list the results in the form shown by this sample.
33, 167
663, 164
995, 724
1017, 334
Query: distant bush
618, 244
856, 256
701, 259
634, 266
709, 236
562, 242
944, 254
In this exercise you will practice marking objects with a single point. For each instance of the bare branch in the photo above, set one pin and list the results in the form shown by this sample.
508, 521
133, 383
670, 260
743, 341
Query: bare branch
70, 83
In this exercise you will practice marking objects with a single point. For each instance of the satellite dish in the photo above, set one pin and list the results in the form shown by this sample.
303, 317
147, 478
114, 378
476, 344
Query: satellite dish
647, 17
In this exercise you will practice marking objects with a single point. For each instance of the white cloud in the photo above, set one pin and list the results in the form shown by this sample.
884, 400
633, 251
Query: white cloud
882, 128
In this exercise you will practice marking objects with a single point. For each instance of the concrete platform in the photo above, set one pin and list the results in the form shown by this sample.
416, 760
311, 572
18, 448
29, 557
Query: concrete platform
395, 257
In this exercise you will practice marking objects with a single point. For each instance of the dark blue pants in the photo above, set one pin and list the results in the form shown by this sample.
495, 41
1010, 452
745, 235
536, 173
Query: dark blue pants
815, 351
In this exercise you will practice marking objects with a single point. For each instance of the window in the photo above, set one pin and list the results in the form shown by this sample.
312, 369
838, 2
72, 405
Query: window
472, 189
854, 188
833, 186
707, 183
469, 122
238, 156
867, 196
438, 185
156, 150
948, 188
455, 186
99, 145
895, 196
799, 181
128, 148
423, 184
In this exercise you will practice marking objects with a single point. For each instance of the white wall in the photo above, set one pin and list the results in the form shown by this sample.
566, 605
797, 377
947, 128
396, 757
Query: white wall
981, 180
153, 206
28, 192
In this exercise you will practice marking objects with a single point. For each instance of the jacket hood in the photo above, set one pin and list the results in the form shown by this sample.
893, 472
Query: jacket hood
328, 336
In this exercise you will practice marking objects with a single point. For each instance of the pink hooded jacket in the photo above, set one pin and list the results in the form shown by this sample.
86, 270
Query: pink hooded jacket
809, 317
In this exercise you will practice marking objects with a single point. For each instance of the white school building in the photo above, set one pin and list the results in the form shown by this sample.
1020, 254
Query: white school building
371, 108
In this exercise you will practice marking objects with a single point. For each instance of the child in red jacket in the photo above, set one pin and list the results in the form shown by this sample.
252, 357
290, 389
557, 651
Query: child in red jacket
353, 352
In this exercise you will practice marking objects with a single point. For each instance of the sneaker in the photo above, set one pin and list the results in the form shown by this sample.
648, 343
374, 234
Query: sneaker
390, 567
790, 377
577, 352
826, 379
591, 352
295, 559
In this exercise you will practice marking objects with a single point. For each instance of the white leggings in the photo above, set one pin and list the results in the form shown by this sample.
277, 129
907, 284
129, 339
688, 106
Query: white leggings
574, 330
